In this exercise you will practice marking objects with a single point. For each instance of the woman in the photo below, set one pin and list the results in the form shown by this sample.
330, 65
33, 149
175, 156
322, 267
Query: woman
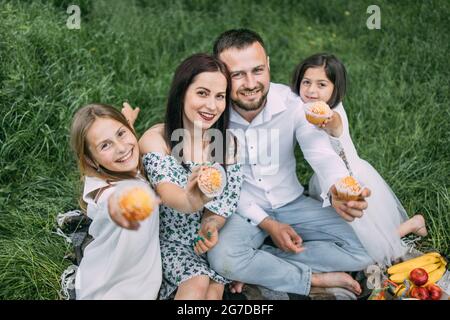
197, 110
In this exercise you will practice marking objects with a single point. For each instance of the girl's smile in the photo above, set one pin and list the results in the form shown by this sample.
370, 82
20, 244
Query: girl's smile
127, 157
113, 146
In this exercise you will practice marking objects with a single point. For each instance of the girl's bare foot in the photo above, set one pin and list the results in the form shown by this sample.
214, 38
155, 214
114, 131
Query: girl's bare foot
414, 225
336, 279
419, 224
236, 287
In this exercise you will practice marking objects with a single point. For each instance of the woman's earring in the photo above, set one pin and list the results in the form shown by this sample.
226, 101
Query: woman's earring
98, 169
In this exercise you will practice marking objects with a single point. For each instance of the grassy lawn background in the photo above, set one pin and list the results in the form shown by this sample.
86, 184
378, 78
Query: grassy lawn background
397, 103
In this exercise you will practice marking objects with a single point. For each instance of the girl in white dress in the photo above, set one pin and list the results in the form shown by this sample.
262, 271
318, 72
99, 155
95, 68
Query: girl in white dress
385, 221
120, 263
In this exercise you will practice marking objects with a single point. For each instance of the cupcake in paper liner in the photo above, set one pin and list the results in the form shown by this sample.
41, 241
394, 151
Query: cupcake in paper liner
348, 189
212, 180
317, 112
136, 200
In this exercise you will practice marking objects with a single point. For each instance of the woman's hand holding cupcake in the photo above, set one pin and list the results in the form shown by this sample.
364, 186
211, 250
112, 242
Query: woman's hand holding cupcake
197, 199
348, 198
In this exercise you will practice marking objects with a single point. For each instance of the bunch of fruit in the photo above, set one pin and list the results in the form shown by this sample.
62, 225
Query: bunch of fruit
417, 277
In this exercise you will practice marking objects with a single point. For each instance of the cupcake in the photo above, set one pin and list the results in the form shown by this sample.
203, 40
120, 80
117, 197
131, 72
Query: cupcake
136, 201
317, 112
348, 189
211, 180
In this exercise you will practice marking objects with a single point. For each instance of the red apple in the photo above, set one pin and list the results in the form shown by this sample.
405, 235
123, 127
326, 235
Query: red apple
418, 276
435, 292
420, 293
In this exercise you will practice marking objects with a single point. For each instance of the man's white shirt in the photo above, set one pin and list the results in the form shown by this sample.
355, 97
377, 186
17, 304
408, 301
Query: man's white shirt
266, 149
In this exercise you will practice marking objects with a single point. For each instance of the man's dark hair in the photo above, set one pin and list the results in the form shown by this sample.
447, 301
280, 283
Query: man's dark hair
236, 38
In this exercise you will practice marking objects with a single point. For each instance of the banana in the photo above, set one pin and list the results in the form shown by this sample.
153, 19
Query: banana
400, 290
431, 267
443, 261
401, 276
435, 275
418, 262
433, 254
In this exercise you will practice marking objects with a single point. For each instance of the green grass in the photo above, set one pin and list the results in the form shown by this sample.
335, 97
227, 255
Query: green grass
398, 99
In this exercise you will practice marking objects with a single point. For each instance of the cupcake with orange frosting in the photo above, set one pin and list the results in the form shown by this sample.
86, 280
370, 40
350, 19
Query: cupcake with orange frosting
211, 180
348, 189
317, 112
136, 202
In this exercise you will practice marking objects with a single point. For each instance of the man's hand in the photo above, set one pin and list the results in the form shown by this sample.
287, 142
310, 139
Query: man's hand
283, 235
130, 114
349, 210
116, 215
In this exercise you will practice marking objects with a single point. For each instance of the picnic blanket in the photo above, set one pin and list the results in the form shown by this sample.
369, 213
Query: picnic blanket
74, 225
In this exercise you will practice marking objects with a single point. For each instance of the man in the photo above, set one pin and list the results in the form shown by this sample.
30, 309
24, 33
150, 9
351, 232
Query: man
312, 239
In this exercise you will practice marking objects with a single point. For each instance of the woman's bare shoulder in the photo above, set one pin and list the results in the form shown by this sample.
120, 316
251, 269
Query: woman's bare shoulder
158, 127
153, 140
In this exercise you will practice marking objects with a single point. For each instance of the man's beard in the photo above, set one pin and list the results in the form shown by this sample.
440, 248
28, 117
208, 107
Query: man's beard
252, 106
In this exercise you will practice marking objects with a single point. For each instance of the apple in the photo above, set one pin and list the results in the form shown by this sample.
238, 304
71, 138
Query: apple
435, 292
420, 293
418, 276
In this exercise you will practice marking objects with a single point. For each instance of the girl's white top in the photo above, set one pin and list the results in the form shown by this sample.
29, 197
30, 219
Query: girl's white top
377, 229
118, 263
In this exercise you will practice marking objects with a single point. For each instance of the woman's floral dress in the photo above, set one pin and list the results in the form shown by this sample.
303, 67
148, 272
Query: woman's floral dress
178, 230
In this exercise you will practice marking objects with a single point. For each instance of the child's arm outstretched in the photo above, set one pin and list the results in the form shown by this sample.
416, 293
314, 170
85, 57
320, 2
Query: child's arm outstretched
117, 216
333, 126
136, 208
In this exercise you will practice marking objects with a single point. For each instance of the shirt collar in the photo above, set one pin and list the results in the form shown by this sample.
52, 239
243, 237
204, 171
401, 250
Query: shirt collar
275, 104
92, 184
236, 117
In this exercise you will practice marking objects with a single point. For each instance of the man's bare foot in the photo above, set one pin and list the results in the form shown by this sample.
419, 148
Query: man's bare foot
335, 279
236, 287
